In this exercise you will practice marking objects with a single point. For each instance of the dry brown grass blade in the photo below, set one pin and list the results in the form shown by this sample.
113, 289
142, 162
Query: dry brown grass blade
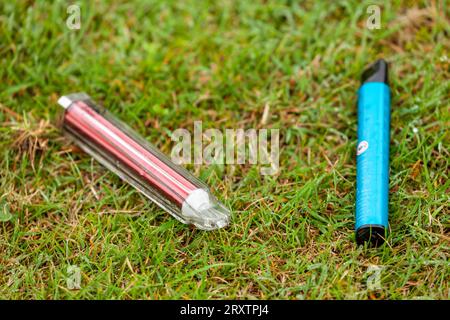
31, 140
416, 17
10, 112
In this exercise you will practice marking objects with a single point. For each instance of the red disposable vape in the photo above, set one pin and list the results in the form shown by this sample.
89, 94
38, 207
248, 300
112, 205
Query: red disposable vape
136, 161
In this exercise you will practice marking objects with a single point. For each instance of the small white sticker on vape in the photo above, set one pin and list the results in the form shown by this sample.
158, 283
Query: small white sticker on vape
362, 147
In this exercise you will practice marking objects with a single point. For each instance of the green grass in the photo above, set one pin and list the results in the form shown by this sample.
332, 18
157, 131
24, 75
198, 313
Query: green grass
163, 65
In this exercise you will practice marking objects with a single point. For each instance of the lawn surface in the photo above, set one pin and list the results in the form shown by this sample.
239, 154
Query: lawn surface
160, 66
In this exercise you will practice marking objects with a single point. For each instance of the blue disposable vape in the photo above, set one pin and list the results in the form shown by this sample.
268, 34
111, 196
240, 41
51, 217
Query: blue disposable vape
372, 155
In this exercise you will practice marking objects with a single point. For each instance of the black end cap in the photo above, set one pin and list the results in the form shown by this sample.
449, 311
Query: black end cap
377, 72
374, 235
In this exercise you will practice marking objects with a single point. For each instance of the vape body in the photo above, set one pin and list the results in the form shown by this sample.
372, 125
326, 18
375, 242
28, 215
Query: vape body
372, 160
137, 162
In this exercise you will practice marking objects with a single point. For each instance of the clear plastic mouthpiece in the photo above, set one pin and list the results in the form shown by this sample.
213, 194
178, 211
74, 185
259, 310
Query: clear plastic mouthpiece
136, 161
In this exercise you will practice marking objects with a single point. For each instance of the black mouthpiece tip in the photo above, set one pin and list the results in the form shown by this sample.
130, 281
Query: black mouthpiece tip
377, 72
374, 235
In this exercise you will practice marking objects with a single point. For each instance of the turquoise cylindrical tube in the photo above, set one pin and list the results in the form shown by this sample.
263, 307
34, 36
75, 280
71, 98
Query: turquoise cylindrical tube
372, 160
